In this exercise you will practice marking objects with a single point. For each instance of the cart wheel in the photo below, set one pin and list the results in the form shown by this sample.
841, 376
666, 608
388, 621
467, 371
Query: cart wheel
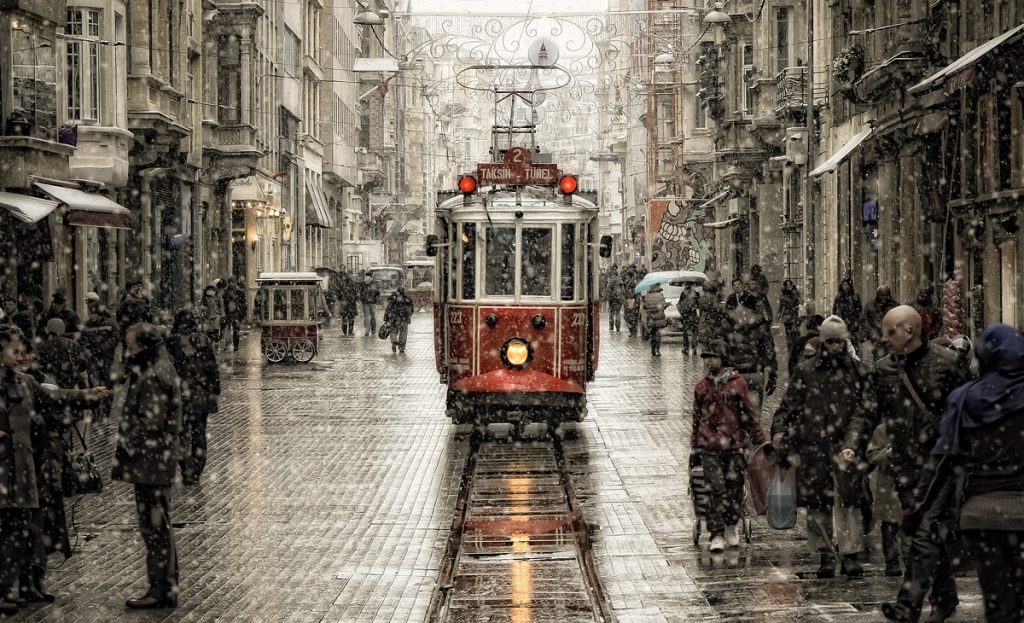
275, 351
748, 530
696, 531
303, 350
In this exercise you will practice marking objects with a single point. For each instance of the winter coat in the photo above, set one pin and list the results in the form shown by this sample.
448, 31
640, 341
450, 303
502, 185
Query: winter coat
99, 339
805, 334
399, 309
824, 396
749, 339
72, 323
211, 313
236, 304
873, 314
934, 372
614, 289
654, 304
931, 322
724, 419
23, 405
134, 310
369, 293
147, 438
687, 305
348, 297
196, 364
63, 360
848, 307
883, 483
789, 310
712, 320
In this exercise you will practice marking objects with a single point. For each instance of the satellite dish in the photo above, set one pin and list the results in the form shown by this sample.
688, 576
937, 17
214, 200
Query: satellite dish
543, 52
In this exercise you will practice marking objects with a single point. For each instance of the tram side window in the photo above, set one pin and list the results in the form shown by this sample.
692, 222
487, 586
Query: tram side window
468, 240
500, 262
537, 259
568, 262
280, 305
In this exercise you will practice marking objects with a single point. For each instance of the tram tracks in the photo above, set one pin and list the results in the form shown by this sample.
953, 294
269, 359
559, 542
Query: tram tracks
519, 548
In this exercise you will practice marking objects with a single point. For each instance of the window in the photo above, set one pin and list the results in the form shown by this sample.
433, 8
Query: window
291, 61
83, 64
468, 260
747, 92
782, 35
229, 79
537, 257
568, 262
500, 262
280, 305
298, 296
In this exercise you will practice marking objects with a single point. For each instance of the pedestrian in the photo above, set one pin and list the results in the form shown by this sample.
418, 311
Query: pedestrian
789, 312
25, 318
712, 319
196, 364
848, 307
873, 314
725, 424
23, 405
752, 349
886, 509
688, 304
135, 307
982, 434
369, 296
61, 358
99, 338
348, 299
236, 309
913, 382
739, 290
398, 315
146, 456
654, 304
615, 292
809, 327
764, 307
931, 321
59, 309
211, 314
824, 395
631, 300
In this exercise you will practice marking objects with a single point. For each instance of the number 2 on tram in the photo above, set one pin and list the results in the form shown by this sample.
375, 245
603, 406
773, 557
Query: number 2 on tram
516, 310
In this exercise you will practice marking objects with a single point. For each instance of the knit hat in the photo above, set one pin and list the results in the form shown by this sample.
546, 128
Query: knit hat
833, 327
715, 348
92, 296
55, 326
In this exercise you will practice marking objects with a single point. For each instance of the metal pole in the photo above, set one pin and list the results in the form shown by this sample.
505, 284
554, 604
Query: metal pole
811, 148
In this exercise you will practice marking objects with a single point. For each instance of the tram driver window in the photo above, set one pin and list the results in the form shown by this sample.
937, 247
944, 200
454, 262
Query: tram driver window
468, 241
568, 262
537, 260
500, 262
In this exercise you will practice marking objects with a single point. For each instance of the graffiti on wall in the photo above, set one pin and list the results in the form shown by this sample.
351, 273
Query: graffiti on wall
678, 241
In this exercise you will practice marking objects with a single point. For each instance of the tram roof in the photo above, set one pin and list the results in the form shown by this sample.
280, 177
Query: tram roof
506, 200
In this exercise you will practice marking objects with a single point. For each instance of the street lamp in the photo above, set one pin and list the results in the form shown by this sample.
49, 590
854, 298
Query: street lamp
717, 17
368, 18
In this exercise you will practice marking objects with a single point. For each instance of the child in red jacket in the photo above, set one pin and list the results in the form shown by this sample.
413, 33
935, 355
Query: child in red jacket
723, 421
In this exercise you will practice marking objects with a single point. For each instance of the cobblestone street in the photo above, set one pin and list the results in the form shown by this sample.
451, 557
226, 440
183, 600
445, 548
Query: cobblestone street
331, 489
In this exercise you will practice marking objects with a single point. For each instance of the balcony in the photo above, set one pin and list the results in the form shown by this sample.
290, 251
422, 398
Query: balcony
26, 156
232, 149
791, 94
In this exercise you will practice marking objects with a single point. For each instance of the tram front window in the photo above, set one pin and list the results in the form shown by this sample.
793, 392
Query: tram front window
500, 268
536, 261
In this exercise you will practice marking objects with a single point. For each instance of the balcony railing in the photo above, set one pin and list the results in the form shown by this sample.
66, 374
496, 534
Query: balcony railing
790, 90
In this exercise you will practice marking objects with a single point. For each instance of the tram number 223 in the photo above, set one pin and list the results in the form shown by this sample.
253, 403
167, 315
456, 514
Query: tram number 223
455, 317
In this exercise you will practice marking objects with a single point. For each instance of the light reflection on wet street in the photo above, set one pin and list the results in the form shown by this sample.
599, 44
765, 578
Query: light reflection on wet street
332, 487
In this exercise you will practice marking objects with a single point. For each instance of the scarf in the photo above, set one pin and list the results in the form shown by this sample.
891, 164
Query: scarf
998, 393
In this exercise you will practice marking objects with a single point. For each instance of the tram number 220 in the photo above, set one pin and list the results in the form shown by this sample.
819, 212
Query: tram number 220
577, 319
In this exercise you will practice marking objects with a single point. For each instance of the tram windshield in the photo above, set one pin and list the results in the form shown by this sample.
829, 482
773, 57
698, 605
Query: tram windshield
537, 258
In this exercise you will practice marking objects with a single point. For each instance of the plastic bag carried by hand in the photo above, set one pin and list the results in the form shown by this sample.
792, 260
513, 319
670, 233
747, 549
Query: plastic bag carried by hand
781, 513
760, 466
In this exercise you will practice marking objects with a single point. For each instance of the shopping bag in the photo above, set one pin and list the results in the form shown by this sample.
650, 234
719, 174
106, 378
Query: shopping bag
781, 509
759, 470
384, 332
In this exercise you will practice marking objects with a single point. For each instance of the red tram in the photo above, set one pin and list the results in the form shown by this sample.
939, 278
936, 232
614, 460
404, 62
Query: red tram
516, 309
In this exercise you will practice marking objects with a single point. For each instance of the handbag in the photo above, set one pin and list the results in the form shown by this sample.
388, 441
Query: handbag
384, 332
759, 471
781, 513
79, 474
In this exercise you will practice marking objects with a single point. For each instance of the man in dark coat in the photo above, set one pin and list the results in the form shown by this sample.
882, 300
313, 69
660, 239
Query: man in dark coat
398, 315
752, 349
688, 303
755, 290
824, 395
615, 291
134, 308
789, 311
348, 300
808, 330
59, 309
848, 307
196, 364
712, 320
654, 306
147, 454
23, 405
61, 358
99, 337
631, 301
873, 314
236, 309
369, 295
913, 383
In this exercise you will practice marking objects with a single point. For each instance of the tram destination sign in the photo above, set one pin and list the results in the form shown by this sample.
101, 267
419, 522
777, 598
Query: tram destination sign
516, 169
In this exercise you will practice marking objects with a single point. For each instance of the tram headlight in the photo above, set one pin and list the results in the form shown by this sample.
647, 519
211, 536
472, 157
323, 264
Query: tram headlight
516, 353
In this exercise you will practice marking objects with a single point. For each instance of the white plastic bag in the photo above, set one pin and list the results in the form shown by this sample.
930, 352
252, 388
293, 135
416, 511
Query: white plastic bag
782, 498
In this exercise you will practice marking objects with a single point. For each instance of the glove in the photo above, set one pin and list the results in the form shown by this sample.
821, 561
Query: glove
769, 386
694, 460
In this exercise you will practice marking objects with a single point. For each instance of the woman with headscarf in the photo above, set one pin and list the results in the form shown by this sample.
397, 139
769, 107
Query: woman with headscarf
848, 307
196, 364
211, 313
982, 431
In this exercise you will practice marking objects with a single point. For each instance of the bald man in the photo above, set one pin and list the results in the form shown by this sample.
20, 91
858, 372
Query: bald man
913, 382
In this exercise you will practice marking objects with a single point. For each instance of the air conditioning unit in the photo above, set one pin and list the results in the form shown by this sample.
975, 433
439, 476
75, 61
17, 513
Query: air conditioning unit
796, 145
737, 207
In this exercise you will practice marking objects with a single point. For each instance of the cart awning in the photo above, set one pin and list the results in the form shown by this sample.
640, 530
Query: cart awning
841, 154
317, 212
25, 208
89, 209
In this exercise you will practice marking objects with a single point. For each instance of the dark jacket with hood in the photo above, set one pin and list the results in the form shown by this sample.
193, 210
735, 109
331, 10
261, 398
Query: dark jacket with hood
723, 417
100, 337
749, 338
147, 439
654, 305
826, 393
712, 320
848, 307
399, 308
789, 309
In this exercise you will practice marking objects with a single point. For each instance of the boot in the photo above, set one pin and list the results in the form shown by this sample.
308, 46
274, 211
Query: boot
826, 567
32, 588
940, 614
8, 607
850, 567
891, 548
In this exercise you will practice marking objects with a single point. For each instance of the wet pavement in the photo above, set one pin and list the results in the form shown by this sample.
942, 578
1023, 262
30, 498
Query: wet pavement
332, 487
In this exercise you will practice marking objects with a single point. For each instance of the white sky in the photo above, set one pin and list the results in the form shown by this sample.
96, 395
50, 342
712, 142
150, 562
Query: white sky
508, 6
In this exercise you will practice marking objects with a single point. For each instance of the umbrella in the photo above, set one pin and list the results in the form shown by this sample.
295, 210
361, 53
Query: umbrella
646, 283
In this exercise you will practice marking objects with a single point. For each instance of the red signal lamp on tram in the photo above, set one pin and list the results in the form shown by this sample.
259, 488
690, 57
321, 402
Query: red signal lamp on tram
467, 185
568, 184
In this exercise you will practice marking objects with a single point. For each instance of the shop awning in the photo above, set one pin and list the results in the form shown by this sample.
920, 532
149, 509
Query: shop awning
967, 60
841, 154
248, 189
317, 213
722, 224
25, 208
89, 209
712, 201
